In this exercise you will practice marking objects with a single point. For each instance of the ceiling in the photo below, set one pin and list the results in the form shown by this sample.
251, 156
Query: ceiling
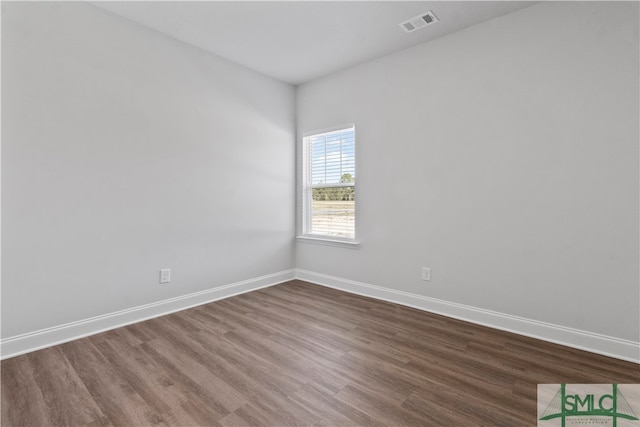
298, 41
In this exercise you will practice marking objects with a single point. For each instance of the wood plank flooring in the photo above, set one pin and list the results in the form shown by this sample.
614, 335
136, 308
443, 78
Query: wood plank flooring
295, 354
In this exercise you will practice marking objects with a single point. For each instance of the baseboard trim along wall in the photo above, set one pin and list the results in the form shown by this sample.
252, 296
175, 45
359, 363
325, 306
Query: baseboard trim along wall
583, 340
25, 343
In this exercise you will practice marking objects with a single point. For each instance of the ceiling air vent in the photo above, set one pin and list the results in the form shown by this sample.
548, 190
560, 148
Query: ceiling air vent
419, 21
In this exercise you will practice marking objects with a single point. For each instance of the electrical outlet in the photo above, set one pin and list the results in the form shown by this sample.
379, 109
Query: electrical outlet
165, 275
426, 274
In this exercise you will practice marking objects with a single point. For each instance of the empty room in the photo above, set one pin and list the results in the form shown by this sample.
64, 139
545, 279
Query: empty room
320, 213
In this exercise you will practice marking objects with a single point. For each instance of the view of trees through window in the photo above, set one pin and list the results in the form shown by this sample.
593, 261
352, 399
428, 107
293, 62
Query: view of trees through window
337, 193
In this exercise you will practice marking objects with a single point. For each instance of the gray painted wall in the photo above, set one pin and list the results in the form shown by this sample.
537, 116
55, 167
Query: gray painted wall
504, 157
125, 151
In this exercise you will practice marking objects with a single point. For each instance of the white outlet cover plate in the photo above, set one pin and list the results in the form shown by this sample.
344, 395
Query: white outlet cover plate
426, 274
165, 275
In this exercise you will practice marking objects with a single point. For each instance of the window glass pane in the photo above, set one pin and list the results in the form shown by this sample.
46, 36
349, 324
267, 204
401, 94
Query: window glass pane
332, 156
333, 212
330, 202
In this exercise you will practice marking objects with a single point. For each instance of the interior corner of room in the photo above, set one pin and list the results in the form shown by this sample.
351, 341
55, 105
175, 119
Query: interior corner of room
502, 157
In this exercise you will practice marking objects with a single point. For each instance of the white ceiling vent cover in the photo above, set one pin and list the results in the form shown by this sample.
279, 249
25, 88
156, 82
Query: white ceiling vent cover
419, 21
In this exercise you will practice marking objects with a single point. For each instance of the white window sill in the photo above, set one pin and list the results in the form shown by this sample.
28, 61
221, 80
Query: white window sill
350, 244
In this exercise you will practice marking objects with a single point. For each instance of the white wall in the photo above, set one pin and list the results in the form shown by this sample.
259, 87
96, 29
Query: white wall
504, 157
124, 152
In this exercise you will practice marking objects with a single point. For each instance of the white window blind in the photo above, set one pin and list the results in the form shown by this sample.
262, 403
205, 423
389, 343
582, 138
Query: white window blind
329, 187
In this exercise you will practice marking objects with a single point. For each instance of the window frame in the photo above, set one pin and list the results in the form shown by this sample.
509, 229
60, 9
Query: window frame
307, 190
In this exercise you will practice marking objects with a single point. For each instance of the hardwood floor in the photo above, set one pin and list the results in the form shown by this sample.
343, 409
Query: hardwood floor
295, 354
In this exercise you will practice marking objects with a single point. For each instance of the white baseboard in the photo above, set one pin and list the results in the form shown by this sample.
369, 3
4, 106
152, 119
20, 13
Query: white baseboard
583, 340
25, 343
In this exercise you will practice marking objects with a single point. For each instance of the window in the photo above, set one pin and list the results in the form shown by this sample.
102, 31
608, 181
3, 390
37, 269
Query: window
329, 185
